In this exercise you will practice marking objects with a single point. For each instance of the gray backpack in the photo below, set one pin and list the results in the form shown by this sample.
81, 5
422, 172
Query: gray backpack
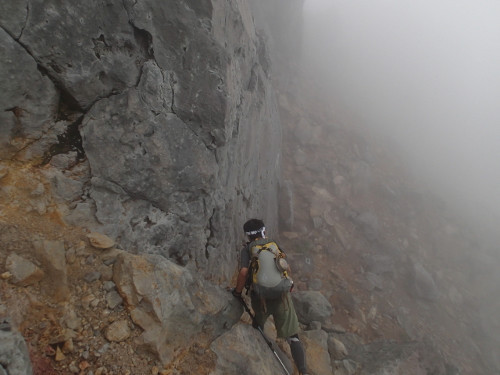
268, 269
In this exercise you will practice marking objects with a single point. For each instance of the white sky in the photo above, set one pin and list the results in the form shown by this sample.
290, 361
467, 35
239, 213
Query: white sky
427, 72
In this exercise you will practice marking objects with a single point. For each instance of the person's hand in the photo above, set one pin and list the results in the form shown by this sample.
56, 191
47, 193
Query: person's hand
235, 293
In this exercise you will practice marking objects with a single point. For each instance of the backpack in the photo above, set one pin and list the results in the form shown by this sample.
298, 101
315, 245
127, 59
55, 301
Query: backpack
268, 275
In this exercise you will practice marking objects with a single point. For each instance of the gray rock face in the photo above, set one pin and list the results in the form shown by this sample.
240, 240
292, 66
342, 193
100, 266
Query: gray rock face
88, 49
170, 103
28, 100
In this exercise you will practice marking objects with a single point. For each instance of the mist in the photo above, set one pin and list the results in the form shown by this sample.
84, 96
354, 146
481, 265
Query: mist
427, 75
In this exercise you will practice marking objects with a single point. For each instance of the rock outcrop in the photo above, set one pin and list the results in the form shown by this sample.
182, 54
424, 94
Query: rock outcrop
168, 109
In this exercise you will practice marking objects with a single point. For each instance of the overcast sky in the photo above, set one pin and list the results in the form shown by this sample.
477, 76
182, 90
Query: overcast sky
427, 72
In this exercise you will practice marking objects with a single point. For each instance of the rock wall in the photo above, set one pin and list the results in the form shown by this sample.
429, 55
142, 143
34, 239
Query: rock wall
160, 114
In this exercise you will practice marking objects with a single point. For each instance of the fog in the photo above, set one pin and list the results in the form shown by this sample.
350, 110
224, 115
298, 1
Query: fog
425, 73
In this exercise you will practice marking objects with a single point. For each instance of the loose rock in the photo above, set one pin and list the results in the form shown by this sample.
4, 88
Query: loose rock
100, 241
23, 271
118, 331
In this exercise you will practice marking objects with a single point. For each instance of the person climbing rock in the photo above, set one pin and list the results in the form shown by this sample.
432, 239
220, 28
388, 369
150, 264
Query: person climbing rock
266, 275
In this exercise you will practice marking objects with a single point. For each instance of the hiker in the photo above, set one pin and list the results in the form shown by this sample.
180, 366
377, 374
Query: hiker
268, 298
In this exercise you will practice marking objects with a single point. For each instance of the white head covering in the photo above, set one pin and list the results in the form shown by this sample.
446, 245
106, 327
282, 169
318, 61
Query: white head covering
254, 232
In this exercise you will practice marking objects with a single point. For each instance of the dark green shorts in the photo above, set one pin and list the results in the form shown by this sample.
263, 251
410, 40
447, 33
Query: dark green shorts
283, 312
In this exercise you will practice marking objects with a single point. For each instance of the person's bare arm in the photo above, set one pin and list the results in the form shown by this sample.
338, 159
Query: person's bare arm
241, 281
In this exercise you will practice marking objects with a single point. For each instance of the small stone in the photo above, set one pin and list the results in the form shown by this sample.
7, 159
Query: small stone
113, 299
90, 259
68, 346
90, 277
103, 349
108, 285
71, 255
73, 368
107, 274
118, 331
86, 300
100, 241
65, 335
155, 370
6, 275
59, 355
72, 320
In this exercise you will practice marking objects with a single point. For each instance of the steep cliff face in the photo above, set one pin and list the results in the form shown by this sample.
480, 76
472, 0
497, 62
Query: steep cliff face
166, 105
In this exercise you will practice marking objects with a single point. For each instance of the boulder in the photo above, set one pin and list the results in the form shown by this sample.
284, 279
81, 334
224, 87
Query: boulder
118, 331
14, 355
369, 225
23, 271
423, 283
242, 350
171, 305
311, 306
52, 256
316, 347
336, 348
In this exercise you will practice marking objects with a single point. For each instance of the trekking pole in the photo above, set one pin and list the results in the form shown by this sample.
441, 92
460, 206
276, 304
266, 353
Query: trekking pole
269, 342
